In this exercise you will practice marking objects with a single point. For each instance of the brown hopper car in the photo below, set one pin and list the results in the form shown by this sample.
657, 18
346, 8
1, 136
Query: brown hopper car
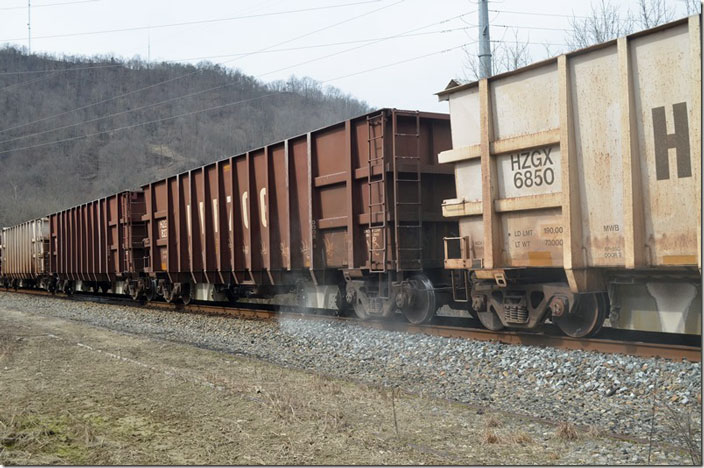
24, 253
355, 207
98, 244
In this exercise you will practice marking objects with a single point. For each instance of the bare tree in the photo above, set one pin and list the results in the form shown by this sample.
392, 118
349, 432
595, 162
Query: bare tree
694, 7
513, 54
505, 56
651, 13
605, 22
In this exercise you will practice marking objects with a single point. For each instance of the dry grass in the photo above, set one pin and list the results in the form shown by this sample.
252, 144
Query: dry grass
306, 406
323, 384
5, 348
25, 433
594, 432
180, 405
492, 421
490, 437
567, 431
522, 438
680, 423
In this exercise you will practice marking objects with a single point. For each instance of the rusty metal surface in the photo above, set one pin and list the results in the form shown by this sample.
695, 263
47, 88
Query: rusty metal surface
299, 205
25, 249
99, 240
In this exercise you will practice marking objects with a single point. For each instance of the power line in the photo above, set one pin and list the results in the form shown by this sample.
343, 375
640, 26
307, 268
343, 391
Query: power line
399, 62
197, 71
531, 43
530, 27
42, 5
403, 34
22, 83
329, 44
80, 137
55, 70
365, 45
272, 51
539, 14
189, 23
221, 106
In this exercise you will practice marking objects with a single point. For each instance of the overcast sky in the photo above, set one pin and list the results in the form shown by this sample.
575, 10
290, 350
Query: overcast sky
269, 25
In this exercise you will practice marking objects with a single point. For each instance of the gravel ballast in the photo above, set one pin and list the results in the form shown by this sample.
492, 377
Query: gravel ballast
613, 393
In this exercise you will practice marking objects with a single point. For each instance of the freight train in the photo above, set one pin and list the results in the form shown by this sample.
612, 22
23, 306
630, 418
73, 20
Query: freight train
351, 212
565, 191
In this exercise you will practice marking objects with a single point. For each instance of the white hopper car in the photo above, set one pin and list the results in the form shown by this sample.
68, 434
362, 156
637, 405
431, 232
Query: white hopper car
579, 188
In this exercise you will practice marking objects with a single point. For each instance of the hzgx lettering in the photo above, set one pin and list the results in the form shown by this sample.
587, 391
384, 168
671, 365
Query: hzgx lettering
529, 168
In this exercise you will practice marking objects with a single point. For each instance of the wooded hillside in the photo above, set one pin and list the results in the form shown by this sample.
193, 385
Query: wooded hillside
47, 178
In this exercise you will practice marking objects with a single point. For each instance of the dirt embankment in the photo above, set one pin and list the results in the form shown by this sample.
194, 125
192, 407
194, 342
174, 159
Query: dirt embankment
76, 394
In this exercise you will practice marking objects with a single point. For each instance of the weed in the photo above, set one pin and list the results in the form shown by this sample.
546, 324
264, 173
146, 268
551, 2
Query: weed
594, 432
5, 348
492, 421
567, 431
490, 437
522, 438
681, 424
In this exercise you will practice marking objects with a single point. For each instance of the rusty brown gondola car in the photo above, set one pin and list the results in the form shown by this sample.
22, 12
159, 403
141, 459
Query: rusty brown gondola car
24, 253
98, 246
351, 211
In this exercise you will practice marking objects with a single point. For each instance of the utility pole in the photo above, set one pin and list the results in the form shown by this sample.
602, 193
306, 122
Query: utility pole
29, 25
484, 40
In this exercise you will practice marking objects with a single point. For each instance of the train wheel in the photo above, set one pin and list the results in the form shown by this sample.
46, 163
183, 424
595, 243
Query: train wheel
359, 310
489, 319
186, 294
167, 292
135, 291
420, 305
150, 293
585, 318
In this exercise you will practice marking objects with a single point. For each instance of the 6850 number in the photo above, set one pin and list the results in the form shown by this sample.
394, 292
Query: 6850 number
533, 177
533, 168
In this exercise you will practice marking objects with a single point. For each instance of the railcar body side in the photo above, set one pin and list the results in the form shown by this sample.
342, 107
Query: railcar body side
579, 187
351, 211
25, 253
98, 245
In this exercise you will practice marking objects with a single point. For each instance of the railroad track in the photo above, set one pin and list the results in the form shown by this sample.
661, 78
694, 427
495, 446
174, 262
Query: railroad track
634, 346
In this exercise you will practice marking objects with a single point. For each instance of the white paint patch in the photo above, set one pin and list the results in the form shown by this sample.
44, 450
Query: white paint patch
215, 214
188, 220
673, 300
229, 212
201, 216
262, 206
245, 214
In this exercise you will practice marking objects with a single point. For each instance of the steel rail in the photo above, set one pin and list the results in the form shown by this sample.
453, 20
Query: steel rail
511, 337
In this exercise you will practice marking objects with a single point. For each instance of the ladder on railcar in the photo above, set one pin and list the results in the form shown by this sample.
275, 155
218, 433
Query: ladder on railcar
408, 210
378, 218
376, 191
